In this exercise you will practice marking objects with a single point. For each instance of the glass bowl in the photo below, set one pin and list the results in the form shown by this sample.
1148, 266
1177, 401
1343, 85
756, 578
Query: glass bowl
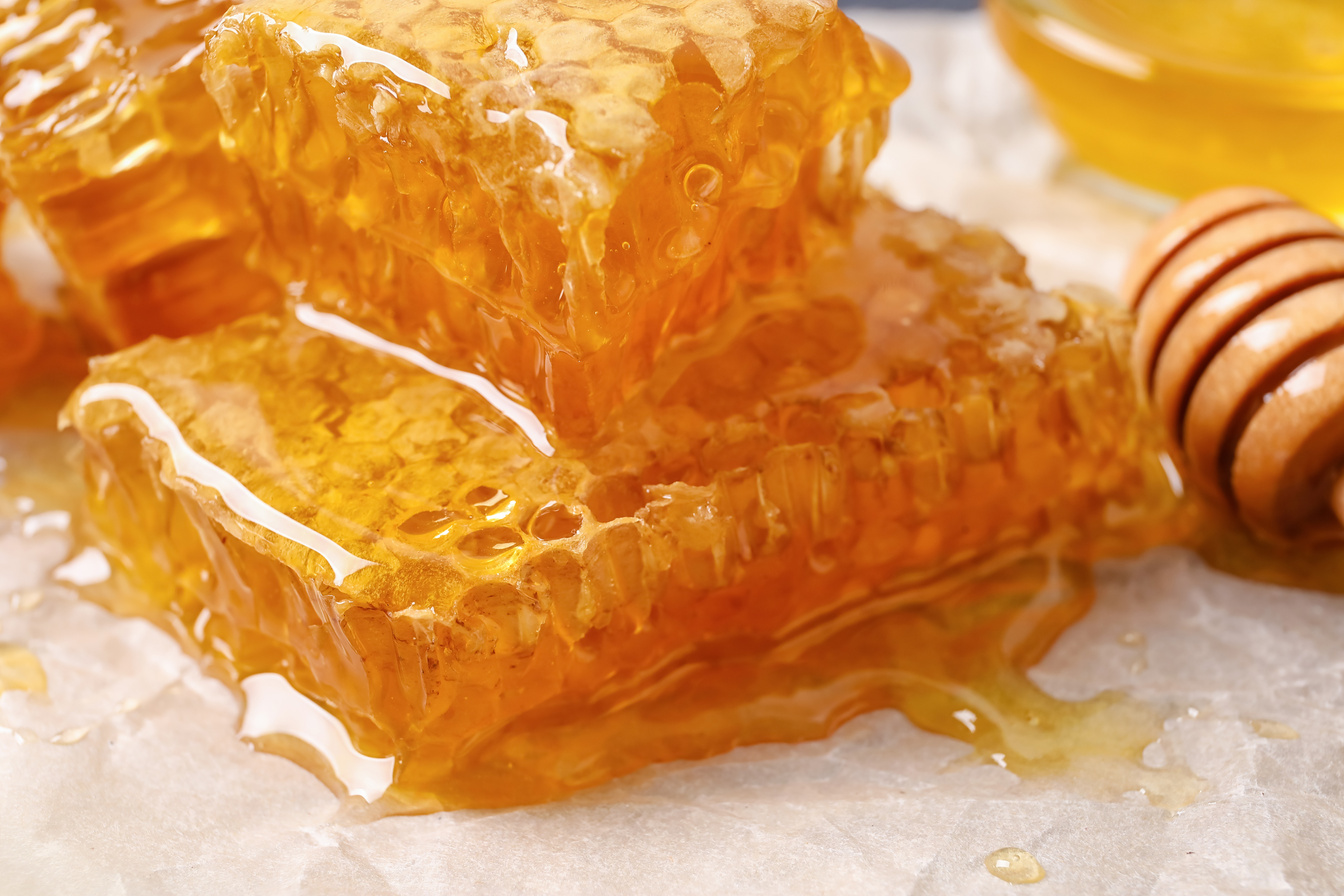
1182, 96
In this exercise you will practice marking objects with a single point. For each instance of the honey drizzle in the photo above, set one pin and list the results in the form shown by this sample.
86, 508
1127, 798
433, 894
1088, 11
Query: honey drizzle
951, 652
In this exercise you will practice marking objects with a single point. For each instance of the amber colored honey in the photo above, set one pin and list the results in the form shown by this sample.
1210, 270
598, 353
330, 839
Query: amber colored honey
22, 329
40, 353
1183, 97
862, 477
589, 441
550, 193
111, 143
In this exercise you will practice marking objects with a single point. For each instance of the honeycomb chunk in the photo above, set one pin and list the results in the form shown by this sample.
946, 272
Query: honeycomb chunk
552, 193
111, 143
511, 620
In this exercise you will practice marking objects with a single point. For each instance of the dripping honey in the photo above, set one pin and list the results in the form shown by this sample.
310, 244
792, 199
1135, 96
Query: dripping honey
845, 495
521, 535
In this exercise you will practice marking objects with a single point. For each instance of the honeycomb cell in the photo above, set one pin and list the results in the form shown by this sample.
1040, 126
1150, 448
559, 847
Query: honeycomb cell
718, 565
550, 193
111, 143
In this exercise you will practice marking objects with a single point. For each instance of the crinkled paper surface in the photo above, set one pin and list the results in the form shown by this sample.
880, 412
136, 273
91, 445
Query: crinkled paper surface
147, 790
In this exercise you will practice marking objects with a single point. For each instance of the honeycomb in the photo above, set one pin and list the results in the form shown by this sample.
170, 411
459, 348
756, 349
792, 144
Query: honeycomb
550, 193
727, 560
22, 329
36, 349
108, 138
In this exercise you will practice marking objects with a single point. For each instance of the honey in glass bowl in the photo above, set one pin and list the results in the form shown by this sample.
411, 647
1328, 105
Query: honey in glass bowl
1183, 96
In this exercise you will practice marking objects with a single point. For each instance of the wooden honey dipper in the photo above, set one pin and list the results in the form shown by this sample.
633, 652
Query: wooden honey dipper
1240, 345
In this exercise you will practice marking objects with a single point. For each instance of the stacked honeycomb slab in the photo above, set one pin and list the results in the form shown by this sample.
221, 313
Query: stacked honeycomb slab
111, 143
513, 616
549, 193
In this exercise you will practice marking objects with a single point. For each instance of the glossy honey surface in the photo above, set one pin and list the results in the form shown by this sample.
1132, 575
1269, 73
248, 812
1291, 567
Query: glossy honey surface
40, 349
606, 419
551, 194
1184, 97
109, 140
744, 553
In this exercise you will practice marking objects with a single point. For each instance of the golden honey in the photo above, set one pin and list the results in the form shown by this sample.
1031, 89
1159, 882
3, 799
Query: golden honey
38, 351
22, 329
112, 146
1184, 97
606, 420
905, 424
552, 194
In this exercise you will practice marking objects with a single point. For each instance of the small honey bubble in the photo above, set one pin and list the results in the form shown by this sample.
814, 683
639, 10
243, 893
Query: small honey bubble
684, 242
703, 183
1017, 866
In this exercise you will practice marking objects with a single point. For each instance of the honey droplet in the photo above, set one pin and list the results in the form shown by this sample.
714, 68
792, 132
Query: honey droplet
22, 735
69, 736
1273, 730
1017, 866
20, 670
26, 600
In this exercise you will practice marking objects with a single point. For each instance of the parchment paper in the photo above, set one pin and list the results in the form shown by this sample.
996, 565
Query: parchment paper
147, 789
